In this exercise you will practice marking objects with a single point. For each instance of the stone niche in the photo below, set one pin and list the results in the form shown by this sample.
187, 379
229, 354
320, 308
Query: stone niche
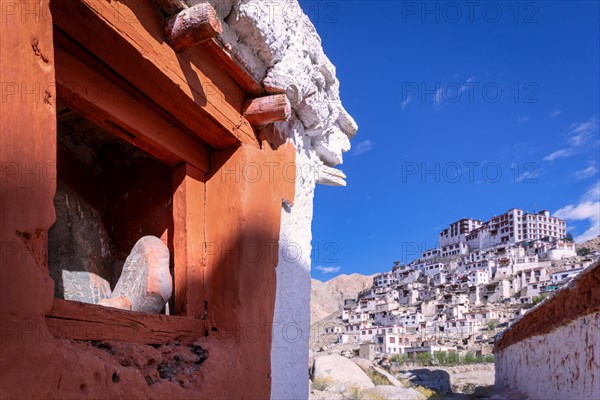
109, 194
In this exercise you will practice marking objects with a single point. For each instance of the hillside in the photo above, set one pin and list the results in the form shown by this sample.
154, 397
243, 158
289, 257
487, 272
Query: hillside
326, 297
592, 244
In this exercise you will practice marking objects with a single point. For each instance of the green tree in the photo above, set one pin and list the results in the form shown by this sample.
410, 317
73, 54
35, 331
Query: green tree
583, 251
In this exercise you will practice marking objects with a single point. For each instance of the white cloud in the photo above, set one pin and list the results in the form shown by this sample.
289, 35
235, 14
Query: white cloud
558, 154
406, 101
588, 209
522, 119
465, 86
555, 113
585, 173
327, 270
579, 134
363, 147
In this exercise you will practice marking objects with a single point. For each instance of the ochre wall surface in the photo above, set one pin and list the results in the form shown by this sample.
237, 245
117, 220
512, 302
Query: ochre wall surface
242, 212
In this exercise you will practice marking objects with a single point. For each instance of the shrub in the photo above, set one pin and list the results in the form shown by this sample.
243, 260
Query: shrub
322, 383
491, 325
489, 358
398, 358
377, 378
441, 357
424, 358
470, 358
453, 358
427, 393
536, 299
355, 393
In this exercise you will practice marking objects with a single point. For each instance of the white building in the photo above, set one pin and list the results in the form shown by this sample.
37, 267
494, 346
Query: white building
410, 320
560, 276
431, 253
457, 231
455, 249
462, 326
561, 249
391, 341
385, 279
432, 269
511, 227
479, 277
358, 317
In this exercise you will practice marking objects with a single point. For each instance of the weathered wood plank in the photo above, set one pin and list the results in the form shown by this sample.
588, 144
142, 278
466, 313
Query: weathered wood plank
106, 104
192, 26
234, 69
80, 321
268, 109
188, 240
127, 36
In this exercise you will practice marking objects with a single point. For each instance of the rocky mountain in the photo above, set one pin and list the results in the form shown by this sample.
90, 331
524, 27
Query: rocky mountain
327, 297
592, 244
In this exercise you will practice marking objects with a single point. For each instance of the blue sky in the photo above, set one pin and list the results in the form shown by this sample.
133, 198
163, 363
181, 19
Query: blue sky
465, 109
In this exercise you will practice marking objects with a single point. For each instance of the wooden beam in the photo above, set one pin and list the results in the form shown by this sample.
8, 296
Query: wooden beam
127, 36
108, 105
81, 321
192, 26
268, 109
188, 241
170, 7
235, 69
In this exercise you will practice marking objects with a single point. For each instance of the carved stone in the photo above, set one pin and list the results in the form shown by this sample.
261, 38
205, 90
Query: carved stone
145, 284
79, 255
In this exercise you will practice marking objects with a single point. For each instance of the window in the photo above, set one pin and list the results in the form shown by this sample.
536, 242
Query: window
110, 194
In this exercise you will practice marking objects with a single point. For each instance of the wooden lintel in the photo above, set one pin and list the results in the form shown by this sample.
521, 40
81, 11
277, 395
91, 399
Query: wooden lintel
80, 321
192, 87
235, 68
108, 105
268, 109
170, 7
192, 26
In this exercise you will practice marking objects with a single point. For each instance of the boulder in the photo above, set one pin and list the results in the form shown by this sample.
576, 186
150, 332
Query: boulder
343, 373
362, 363
436, 380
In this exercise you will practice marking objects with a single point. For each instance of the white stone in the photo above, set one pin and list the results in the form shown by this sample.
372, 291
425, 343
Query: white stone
344, 373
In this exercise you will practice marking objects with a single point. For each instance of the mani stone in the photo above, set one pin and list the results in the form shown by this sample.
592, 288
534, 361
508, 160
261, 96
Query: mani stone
145, 284
79, 252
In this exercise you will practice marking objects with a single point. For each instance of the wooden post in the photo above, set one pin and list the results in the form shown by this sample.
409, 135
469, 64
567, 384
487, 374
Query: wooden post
268, 109
188, 241
192, 26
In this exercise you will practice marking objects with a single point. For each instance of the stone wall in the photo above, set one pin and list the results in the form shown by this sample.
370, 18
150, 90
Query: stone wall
554, 350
